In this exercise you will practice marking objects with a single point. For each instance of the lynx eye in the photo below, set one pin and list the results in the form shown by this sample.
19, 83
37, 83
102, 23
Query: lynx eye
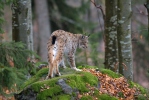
83, 37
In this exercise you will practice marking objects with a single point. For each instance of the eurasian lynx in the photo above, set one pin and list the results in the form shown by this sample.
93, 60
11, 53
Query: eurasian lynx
61, 43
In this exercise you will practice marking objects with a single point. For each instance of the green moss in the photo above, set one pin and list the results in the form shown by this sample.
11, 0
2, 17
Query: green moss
106, 97
142, 89
65, 71
80, 79
86, 98
35, 78
49, 93
141, 97
87, 66
49, 89
46, 88
62, 97
43, 84
103, 96
110, 73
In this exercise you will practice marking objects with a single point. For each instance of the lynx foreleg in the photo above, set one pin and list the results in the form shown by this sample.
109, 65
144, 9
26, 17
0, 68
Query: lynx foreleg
62, 64
71, 61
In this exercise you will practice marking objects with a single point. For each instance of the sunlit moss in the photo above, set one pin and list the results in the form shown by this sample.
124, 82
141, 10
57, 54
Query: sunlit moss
87, 66
142, 89
110, 73
87, 98
51, 92
106, 97
80, 80
141, 97
36, 77
62, 97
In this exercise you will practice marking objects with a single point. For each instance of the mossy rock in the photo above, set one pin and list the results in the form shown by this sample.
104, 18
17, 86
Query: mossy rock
46, 89
42, 89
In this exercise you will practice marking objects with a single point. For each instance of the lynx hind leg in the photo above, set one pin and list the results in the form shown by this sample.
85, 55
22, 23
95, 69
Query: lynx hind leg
59, 56
50, 65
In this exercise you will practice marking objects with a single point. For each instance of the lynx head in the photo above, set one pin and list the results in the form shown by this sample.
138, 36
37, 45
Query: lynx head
83, 41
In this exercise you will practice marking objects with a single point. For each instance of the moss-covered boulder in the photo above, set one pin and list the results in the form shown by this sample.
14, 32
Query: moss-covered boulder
66, 87
71, 85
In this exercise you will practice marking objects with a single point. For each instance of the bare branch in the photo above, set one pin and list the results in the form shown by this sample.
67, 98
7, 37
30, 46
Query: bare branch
99, 7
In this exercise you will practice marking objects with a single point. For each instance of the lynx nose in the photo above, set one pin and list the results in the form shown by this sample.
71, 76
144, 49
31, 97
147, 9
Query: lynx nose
85, 46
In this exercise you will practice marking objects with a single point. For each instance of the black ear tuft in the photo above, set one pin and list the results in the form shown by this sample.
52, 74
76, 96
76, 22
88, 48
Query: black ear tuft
89, 35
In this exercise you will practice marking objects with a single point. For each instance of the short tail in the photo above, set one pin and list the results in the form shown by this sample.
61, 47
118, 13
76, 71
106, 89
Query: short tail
53, 39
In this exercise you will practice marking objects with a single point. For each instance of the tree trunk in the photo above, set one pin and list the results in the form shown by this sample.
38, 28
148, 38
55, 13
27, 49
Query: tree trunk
15, 22
111, 35
124, 38
44, 27
30, 43
147, 7
22, 23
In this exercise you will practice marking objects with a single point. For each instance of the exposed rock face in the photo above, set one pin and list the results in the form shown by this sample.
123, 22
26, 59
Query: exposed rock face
66, 88
27, 94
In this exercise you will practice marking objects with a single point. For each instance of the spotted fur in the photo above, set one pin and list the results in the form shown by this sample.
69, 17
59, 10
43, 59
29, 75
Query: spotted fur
60, 43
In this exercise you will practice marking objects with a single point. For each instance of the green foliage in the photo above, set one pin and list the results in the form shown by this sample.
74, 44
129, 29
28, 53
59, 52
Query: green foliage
14, 67
11, 78
15, 52
8, 77
64, 16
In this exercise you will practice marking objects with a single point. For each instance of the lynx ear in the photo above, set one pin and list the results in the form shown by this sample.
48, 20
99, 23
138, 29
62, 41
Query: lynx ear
85, 33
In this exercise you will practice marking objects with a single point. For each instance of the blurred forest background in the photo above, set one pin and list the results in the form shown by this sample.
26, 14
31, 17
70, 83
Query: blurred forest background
76, 16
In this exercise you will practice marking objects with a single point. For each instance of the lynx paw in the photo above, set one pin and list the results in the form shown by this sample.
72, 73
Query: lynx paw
48, 77
76, 69
64, 67
58, 74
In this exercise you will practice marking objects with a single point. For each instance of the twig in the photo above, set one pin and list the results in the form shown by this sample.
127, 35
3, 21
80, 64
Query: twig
100, 7
124, 66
